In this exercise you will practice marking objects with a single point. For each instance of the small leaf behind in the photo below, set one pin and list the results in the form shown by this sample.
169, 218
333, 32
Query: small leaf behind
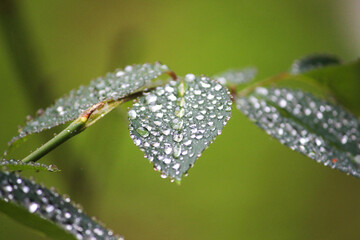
318, 129
46, 211
312, 62
113, 86
175, 123
17, 165
236, 76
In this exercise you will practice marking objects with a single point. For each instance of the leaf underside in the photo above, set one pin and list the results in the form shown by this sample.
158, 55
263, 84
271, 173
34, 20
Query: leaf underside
113, 86
174, 124
47, 211
236, 76
318, 129
17, 165
312, 62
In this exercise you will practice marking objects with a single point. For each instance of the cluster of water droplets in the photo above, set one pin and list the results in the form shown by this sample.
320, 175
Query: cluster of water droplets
236, 76
312, 62
113, 86
175, 123
17, 165
321, 130
50, 205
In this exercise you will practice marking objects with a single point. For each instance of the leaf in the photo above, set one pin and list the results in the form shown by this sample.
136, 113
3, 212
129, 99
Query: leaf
45, 210
175, 123
318, 129
344, 82
17, 165
236, 76
312, 62
113, 86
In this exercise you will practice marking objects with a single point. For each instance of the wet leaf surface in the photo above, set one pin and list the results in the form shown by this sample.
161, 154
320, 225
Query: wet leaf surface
47, 211
17, 165
316, 128
236, 76
174, 124
113, 86
312, 62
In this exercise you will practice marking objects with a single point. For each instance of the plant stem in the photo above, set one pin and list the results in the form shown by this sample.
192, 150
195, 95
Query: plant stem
73, 129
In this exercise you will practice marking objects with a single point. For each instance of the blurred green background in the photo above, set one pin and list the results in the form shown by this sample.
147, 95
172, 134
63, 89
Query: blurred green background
246, 185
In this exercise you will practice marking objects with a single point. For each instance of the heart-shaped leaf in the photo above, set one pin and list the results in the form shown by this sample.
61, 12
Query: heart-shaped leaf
312, 62
113, 86
316, 128
175, 123
17, 165
46, 211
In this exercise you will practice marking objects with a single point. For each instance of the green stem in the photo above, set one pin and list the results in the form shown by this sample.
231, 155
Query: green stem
85, 120
73, 129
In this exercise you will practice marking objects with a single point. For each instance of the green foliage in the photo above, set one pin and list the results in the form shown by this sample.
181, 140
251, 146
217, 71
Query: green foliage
343, 82
113, 86
175, 123
236, 76
318, 129
312, 62
46, 211
17, 165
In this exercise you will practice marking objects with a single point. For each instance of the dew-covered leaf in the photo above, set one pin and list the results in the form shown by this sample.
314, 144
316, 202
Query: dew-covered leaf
46, 211
236, 76
312, 62
316, 128
113, 86
17, 165
175, 123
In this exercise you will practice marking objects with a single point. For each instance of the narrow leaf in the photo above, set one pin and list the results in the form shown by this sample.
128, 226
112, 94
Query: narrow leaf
236, 76
175, 123
45, 210
312, 62
318, 129
113, 86
17, 165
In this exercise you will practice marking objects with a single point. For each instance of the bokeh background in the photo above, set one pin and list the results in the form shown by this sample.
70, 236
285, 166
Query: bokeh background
246, 185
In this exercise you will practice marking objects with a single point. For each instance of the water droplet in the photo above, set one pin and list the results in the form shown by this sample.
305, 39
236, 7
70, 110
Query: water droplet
282, 103
178, 137
143, 132
168, 150
217, 87
357, 159
120, 73
155, 108
197, 92
176, 166
187, 143
172, 97
128, 68
210, 96
150, 98
177, 151
132, 114
178, 124
199, 117
190, 77
169, 89
205, 85
33, 207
